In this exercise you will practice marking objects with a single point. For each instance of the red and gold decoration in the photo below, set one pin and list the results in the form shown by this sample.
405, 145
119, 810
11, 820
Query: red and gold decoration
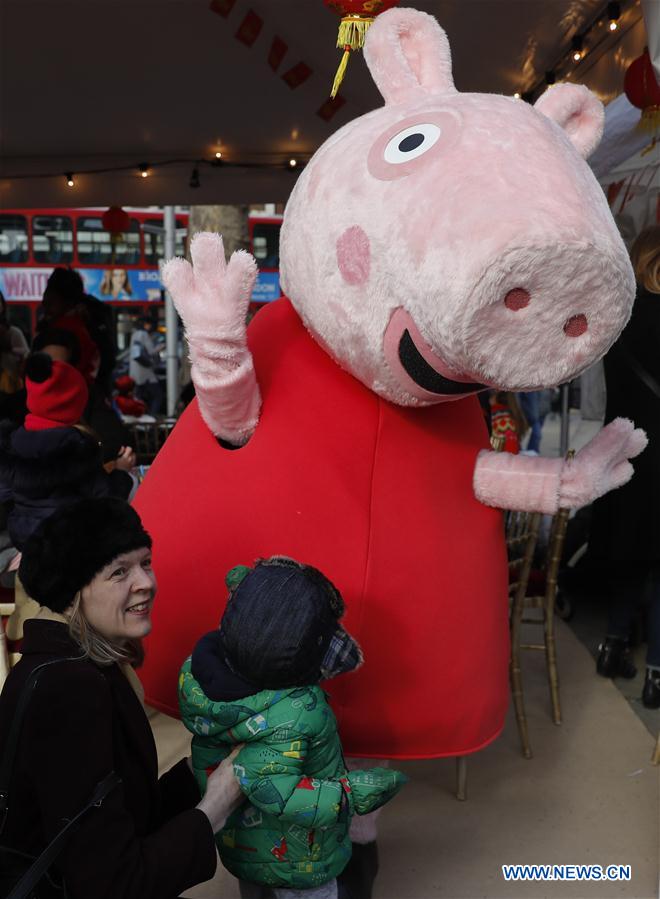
643, 91
115, 220
357, 16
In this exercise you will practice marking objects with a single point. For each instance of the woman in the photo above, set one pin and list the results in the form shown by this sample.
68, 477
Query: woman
625, 533
116, 284
89, 565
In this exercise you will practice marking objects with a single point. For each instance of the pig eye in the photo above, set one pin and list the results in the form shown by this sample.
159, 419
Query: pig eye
411, 143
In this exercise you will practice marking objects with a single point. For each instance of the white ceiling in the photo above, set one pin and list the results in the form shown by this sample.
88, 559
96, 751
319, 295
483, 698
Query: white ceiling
87, 84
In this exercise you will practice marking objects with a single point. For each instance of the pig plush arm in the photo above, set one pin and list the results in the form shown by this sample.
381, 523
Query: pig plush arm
212, 298
536, 484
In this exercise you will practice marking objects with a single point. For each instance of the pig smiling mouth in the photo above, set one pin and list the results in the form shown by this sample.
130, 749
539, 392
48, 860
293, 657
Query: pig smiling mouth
425, 375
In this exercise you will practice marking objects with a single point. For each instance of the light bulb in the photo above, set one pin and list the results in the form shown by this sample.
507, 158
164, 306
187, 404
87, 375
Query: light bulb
577, 56
613, 14
218, 154
293, 163
69, 179
516, 96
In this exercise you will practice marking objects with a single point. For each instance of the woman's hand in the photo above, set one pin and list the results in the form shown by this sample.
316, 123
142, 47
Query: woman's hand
126, 458
223, 794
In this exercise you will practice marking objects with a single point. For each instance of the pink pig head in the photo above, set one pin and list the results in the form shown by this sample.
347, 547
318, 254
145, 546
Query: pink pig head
449, 241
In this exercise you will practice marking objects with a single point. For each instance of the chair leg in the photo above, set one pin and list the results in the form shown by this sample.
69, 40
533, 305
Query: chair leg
551, 656
516, 678
4, 657
655, 758
461, 778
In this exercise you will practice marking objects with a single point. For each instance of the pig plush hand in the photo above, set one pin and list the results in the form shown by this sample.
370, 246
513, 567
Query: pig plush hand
545, 485
212, 298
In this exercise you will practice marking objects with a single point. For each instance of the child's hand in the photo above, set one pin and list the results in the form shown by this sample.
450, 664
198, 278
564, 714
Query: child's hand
126, 458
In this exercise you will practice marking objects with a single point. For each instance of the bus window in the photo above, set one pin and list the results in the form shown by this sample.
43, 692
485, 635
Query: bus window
13, 238
52, 239
95, 246
266, 244
154, 240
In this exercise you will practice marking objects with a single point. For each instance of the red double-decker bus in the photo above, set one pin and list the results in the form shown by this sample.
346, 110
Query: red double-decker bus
123, 271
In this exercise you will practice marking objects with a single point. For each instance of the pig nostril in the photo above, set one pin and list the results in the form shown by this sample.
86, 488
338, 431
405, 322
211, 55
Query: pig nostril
516, 299
576, 325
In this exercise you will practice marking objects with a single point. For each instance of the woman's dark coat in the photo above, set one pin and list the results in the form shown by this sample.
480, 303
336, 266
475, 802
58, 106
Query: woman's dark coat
626, 522
146, 841
42, 471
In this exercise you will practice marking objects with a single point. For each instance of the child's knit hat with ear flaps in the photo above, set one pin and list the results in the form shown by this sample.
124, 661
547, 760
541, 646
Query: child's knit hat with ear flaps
56, 393
281, 625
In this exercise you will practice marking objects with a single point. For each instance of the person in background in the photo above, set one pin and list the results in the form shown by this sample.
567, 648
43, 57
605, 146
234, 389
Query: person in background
625, 528
52, 460
101, 326
61, 307
535, 405
17, 344
126, 403
89, 566
59, 344
507, 421
143, 358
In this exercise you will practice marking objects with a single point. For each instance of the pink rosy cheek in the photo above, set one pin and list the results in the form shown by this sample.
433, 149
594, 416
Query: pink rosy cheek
354, 255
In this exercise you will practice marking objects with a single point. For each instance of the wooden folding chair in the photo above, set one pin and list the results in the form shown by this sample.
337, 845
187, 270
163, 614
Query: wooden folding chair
545, 602
7, 659
149, 437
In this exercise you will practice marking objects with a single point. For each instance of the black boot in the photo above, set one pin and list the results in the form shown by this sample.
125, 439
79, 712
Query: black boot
614, 659
651, 691
357, 879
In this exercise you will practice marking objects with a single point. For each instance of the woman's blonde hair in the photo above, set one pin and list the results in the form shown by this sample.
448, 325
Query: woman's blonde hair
645, 258
98, 648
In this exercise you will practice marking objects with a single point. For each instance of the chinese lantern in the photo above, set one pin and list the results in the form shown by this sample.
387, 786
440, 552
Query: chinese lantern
116, 220
642, 89
357, 16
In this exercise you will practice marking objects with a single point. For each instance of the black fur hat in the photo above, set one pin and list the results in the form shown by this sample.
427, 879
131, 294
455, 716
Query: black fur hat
72, 545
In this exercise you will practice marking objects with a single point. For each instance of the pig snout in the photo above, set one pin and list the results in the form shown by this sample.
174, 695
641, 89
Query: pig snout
544, 314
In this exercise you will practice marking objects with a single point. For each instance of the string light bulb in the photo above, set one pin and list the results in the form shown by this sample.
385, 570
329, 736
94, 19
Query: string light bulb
69, 179
516, 96
613, 14
218, 154
578, 47
293, 163
144, 169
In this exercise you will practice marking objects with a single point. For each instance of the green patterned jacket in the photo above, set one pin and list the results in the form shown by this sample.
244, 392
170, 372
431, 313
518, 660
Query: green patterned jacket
293, 832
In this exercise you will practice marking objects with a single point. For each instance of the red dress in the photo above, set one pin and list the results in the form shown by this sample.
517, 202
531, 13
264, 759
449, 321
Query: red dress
377, 496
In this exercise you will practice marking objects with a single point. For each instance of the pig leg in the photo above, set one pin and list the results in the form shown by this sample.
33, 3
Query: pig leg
360, 873
212, 298
535, 484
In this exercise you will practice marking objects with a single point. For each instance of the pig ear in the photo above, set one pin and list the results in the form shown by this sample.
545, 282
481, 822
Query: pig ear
408, 52
575, 109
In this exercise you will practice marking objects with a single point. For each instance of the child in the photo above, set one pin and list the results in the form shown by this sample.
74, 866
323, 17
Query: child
125, 402
256, 682
52, 460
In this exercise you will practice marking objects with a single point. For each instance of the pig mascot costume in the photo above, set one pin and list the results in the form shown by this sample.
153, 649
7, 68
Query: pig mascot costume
440, 244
